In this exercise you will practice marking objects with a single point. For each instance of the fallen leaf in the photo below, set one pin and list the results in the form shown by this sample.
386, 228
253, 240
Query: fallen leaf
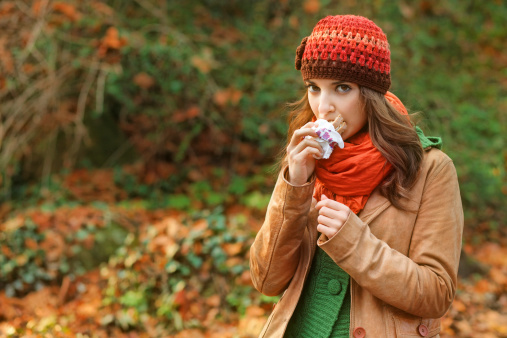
68, 10
228, 95
482, 286
458, 305
144, 80
86, 310
498, 276
111, 40
102, 8
255, 311
191, 333
464, 328
232, 249
311, 6
213, 301
189, 114
204, 62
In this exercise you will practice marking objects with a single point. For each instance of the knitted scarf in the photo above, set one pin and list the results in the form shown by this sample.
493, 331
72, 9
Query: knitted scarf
350, 174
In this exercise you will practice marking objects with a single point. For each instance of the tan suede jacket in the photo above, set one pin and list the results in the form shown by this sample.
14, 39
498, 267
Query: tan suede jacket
403, 265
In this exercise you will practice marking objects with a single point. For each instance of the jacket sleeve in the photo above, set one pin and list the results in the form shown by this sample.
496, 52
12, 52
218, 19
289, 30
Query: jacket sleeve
424, 282
274, 255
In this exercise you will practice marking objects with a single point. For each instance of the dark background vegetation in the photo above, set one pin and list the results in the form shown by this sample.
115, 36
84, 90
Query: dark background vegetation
137, 142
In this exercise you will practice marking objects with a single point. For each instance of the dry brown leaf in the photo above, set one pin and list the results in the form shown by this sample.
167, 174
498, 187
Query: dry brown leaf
6, 58
406, 10
204, 62
232, 249
446, 322
6, 251
199, 225
213, 301
68, 10
311, 6
464, 328
144, 80
255, 311
197, 248
12, 224
189, 114
7, 7
253, 322
493, 254
191, 333
102, 8
53, 245
234, 261
86, 310
37, 7
111, 40
229, 95
498, 276
482, 286
459, 306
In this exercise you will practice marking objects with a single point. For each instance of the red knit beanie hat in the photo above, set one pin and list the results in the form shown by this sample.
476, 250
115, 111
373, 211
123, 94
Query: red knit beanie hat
349, 48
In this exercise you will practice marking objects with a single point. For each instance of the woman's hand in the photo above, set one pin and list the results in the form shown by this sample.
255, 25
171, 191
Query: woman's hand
332, 216
301, 154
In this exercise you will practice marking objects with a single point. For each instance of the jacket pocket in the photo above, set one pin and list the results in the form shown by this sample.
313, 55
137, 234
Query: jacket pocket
407, 325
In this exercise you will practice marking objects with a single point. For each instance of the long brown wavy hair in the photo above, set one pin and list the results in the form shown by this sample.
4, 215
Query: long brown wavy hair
390, 133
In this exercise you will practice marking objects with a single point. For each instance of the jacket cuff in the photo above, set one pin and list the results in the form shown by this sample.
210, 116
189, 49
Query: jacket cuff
345, 241
284, 173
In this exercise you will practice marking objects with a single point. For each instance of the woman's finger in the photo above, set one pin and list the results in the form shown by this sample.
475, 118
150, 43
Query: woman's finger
332, 204
333, 214
329, 232
306, 143
307, 152
300, 134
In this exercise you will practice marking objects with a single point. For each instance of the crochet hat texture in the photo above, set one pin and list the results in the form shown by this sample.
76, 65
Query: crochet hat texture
349, 48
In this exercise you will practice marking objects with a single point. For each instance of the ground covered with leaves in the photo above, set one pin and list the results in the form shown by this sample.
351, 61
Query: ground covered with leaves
124, 269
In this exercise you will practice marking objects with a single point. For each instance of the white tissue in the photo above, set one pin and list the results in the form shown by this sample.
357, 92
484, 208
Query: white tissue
328, 137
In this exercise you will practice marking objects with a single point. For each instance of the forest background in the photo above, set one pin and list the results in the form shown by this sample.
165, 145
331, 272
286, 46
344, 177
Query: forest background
137, 144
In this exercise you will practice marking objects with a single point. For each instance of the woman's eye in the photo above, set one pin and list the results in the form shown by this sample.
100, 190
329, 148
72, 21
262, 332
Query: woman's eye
343, 88
312, 88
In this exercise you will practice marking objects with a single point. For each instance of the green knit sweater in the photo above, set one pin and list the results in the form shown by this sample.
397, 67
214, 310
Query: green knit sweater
323, 309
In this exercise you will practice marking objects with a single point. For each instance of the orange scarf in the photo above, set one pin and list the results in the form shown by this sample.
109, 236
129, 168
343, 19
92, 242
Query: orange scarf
351, 174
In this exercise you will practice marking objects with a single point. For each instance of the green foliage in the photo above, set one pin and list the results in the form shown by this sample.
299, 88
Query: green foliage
194, 82
157, 276
33, 254
21, 266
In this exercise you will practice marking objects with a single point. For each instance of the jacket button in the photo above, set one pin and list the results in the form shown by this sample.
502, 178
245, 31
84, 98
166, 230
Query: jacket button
359, 332
334, 287
423, 330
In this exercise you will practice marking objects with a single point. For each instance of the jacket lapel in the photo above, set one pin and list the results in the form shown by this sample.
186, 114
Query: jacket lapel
375, 206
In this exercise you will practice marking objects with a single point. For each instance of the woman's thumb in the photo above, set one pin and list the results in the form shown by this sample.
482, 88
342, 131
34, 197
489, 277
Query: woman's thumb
323, 197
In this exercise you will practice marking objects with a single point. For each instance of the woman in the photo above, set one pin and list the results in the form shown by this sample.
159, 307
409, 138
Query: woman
367, 242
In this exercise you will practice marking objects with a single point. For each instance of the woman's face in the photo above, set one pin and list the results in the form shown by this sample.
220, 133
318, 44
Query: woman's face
329, 98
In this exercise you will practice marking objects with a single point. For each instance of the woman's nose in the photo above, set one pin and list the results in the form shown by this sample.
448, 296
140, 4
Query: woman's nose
325, 108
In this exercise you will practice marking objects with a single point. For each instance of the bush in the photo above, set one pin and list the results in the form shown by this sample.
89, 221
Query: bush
190, 87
